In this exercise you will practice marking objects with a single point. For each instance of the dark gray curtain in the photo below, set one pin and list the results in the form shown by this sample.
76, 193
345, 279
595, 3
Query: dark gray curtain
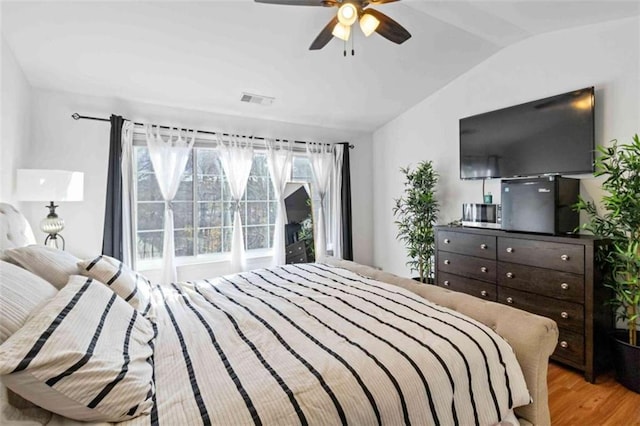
347, 230
112, 234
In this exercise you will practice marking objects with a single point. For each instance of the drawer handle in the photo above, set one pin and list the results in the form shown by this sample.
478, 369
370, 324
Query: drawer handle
509, 249
509, 299
564, 315
564, 257
483, 246
483, 293
483, 269
447, 262
447, 241
564, 344
564, 286
446, 283
509, 274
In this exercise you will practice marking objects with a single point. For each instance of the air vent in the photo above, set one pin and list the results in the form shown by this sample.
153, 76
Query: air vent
256, 99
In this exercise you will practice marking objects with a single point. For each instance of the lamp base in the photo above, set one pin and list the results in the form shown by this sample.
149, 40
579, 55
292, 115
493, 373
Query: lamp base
53, 225
53, 241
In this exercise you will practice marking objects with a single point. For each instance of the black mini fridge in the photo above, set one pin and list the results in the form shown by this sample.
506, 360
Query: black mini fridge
541, 205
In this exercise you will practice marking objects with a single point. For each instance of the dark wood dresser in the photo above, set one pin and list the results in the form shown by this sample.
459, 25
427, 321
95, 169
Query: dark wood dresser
552, 276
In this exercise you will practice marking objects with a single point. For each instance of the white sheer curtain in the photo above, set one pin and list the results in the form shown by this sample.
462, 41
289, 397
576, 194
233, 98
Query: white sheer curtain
169, 158
321, 159
335, 217
279, 160
236, 156
126, 165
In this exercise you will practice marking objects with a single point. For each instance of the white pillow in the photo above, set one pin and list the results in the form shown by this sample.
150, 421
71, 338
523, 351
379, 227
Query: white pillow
86, 355
130, 285
55, 266
21, 293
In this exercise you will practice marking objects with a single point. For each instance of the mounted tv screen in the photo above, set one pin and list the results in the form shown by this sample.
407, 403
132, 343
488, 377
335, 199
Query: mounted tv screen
549, 136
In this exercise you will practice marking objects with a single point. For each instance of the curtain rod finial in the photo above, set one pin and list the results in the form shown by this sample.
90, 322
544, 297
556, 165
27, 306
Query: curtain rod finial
75, 116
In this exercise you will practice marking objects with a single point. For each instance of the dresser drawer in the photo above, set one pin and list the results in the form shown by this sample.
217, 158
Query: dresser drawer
467, 266
473, 245
481, 289
550, 255
547, 282
295, 249
567, 315
298, 258
570, 347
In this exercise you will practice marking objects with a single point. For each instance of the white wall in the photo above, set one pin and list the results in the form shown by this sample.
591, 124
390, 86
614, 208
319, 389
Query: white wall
61, 142
15, 112
606, 56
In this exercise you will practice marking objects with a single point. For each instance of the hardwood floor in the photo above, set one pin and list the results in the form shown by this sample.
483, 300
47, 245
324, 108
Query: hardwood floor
574, 401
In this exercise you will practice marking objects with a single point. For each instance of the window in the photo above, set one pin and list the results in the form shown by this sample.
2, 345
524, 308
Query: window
202, 208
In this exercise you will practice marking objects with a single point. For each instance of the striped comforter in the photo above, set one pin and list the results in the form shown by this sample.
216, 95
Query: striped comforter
315, 344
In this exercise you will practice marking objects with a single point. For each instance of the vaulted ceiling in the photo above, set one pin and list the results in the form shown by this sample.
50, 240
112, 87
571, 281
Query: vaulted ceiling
203, 55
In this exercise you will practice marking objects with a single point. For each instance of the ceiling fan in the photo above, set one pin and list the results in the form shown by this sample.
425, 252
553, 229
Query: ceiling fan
350, 11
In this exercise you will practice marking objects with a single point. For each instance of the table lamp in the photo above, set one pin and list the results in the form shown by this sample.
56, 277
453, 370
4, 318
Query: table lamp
50, 185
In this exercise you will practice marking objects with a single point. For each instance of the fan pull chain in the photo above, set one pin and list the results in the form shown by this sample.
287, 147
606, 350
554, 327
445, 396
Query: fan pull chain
353, 51
344, 50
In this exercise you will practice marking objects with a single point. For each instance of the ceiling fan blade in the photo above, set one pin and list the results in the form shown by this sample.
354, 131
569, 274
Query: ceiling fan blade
376, 2
325, 35
389, 28
299, 2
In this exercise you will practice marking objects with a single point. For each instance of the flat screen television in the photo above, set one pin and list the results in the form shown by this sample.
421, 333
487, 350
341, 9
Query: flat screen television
550, 136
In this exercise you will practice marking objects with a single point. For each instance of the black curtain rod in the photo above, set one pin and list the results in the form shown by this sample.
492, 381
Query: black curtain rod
77, 116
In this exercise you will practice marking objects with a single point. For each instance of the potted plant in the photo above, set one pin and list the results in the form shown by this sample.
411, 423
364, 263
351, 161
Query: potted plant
417, 212
620, 224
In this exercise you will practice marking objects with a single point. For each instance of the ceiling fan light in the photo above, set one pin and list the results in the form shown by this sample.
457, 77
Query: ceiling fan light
341, 31
347, 14
368, 24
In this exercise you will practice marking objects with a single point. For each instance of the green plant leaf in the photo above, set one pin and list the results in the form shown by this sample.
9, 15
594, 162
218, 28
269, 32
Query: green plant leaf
620, 224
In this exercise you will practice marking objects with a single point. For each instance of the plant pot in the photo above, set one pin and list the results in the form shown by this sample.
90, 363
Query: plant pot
626, 359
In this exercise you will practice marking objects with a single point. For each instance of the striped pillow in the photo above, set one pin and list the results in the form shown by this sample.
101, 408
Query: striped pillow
21, 293
86, 355
131, 286
51, 264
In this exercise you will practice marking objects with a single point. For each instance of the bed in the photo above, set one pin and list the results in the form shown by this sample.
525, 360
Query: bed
332, 342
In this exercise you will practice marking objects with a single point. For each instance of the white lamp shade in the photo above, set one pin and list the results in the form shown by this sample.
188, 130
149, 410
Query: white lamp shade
341, 31
347, 14
368, 24
49, 185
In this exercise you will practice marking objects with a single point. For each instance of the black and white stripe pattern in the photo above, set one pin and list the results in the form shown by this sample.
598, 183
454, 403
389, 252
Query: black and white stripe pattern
397, 298
314, 344
130, 285
86, 355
